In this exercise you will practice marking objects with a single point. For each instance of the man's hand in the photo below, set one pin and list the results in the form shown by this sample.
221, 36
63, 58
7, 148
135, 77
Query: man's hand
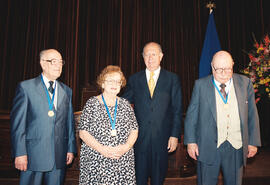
252, 150
21, 162
193, 150
70, 157
172, 144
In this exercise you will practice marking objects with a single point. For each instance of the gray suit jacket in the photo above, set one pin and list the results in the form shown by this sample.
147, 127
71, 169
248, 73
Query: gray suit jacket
200, 122
45, 140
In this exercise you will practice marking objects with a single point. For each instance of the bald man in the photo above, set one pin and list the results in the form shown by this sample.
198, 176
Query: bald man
222, 125
42, 125
156, 95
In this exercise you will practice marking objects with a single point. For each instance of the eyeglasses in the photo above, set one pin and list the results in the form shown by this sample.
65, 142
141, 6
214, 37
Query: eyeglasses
55, 61
110, 82
220, 70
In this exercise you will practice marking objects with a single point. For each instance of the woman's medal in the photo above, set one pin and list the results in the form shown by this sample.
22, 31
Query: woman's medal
113, 131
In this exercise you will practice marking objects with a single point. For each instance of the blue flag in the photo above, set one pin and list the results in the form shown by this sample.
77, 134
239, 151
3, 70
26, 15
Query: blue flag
210, 46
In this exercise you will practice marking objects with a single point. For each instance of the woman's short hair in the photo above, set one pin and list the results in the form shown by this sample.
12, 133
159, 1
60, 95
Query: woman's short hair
109, 70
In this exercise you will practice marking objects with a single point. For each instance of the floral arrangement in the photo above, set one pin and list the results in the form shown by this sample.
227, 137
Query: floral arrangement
259, 67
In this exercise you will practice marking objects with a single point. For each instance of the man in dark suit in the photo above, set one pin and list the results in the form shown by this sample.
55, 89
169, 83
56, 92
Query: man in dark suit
222, 125
42, 125
156, 95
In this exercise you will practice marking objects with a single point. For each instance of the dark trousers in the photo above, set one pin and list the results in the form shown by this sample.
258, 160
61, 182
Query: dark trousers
53, 177
229, 160
151, 164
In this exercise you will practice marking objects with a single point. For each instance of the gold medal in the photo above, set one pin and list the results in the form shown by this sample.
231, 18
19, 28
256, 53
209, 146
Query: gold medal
113, 132
226, 106
50, 113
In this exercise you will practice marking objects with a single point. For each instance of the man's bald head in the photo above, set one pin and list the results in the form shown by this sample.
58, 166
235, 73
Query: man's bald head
222, 66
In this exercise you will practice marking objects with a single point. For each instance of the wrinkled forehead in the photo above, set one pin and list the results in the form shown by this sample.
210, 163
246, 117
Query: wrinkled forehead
222, 60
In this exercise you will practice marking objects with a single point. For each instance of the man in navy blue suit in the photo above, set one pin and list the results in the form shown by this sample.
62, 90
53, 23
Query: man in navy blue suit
42, 125
156, 95
222, 124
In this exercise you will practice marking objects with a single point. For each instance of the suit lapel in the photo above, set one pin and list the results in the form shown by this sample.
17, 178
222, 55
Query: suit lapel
60, 95
42, 91
159, 83
144, 85
210, 89
40, 88
240, 99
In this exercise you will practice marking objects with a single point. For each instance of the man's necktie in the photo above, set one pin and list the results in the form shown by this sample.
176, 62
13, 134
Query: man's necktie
151, 84
222, 90
51, 87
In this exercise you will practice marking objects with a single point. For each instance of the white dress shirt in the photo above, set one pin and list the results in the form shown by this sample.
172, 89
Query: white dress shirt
156, 75
228, 85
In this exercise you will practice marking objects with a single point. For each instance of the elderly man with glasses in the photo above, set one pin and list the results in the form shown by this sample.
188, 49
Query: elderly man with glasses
222, 125
42, 125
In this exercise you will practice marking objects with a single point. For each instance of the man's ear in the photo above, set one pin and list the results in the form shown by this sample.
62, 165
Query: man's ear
42, 64
160, 55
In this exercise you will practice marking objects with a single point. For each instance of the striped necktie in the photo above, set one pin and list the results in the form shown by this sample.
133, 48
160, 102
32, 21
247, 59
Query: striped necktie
51, 87
222, 90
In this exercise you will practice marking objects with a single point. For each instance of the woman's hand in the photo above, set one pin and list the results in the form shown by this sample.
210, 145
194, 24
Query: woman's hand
108, 151
114, 152
121, 150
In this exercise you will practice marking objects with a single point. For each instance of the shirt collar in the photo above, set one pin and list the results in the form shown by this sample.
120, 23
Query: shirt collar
156, 72
228, 84
46, 81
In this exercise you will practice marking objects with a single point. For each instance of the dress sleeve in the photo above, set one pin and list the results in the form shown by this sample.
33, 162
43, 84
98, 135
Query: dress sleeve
85, 118
131, 116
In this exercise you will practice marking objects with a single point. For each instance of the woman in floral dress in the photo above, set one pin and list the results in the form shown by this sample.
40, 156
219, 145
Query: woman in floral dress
108, 129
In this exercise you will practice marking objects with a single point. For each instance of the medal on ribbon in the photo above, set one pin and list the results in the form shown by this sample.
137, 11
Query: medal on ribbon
113, 131
50, 101
50, 113
225, 101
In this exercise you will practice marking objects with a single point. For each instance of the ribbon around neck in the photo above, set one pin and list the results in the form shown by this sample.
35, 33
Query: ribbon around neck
108, 112
50, 101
